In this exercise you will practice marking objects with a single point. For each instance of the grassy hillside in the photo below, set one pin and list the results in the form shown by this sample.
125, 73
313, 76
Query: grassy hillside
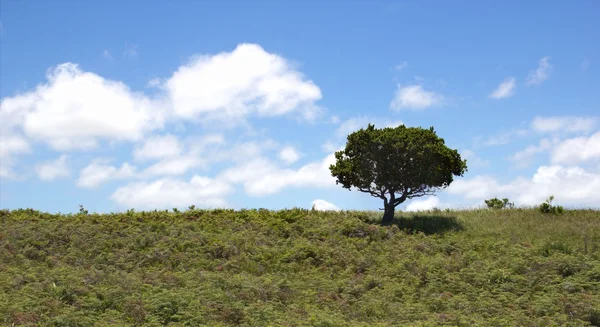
300, 268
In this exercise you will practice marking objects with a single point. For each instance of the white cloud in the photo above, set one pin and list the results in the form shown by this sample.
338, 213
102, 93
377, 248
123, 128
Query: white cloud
523, 158
159, 146
577, 150
76, 108
99, 171
335, 119
289, 155
414, 97
322, 205
505, 89
541, 74
570, 186
10, 145
155, 82
423, 204
167, 192
174, 166
231, 85
53, 169
261, 177
564, 124
501, 139
401, 66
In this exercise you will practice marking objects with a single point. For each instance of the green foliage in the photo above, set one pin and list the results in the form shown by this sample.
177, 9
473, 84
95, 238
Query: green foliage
496, 203
82, 210
548, 208
299, 267
396, 164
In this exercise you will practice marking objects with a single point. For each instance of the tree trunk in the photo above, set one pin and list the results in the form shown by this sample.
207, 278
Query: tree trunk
388, 214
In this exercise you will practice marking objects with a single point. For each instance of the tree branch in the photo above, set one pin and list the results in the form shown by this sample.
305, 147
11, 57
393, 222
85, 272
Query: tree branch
401, 199
373, 193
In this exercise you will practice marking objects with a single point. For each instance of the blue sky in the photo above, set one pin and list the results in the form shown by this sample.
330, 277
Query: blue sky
161, 104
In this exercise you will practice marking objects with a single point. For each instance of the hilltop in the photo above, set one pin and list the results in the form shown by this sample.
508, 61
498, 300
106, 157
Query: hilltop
298, 267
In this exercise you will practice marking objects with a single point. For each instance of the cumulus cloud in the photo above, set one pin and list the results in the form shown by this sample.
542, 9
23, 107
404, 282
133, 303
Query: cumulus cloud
322, 205
569, 124
158, 146
53, 169
168, 192
577, 150
262, 177
230, 85
541, 73
10, 145
505, 89
75, 108
570, 186
100, 171
423, 204
414, 97
289, 155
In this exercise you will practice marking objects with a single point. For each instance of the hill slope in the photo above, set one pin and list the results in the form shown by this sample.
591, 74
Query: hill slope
300, 268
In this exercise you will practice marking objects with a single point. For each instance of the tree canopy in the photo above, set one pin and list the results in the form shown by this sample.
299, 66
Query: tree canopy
396, 164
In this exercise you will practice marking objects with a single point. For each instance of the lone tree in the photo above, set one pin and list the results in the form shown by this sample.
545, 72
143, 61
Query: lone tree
396, 164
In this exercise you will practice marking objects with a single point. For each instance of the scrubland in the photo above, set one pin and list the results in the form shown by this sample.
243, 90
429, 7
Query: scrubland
508, 267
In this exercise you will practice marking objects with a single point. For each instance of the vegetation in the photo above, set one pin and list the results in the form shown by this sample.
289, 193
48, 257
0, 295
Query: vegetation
300, 268
396, 164
496, 203
547, 207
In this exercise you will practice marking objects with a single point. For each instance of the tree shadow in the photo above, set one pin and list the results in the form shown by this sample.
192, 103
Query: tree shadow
428, 224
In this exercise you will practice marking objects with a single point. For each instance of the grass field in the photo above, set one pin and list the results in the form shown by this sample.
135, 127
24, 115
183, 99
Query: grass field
298, 267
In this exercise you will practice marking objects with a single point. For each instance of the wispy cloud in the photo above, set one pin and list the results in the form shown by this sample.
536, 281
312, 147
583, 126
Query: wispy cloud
130, 50
541, 73
53, 169
155, 82
524, 158
401, 66
568, 124
502, 138
107, 55
505, 89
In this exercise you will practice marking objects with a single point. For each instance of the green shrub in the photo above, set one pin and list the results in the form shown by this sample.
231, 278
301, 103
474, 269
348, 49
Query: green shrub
547, 207
496, 203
